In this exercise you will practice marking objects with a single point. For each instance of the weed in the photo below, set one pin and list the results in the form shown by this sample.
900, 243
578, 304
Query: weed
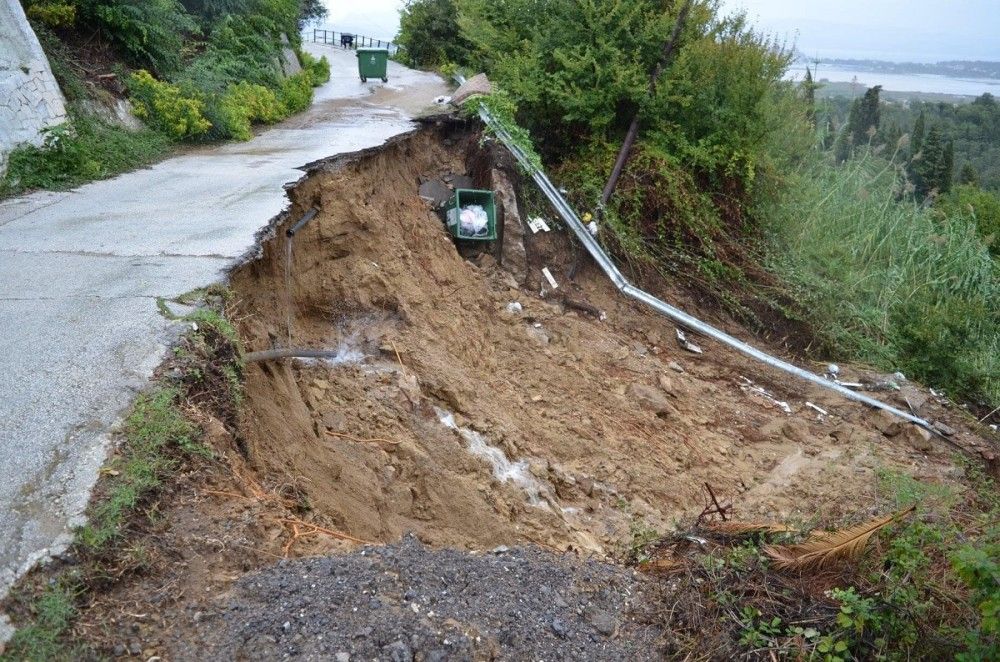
51, 615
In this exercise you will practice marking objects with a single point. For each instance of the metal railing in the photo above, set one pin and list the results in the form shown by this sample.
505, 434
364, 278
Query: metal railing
351, 41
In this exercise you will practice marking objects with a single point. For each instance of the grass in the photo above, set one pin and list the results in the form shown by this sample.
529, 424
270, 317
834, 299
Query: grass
53, 613
885, 281
155, 425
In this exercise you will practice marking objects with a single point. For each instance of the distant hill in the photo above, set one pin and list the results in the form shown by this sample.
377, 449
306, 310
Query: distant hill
953, 68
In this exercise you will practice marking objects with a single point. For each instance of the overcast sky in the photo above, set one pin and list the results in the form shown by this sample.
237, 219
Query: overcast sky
913, 30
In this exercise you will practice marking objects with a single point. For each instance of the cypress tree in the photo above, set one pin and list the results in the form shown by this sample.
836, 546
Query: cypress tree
927, 169
968, 175
865, 116
946, 172
917, 139
809, 89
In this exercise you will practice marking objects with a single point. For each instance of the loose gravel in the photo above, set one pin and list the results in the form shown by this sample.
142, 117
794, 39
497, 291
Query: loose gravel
409, 602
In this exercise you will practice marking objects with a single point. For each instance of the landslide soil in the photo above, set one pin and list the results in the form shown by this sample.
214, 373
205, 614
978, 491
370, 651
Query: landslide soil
604, 426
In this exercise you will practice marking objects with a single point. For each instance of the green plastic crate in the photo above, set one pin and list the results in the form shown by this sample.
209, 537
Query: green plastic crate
373, 63
464, 197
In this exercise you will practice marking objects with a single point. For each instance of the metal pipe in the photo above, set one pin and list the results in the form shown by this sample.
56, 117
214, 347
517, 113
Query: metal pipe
309, 215
291, 352
608, 266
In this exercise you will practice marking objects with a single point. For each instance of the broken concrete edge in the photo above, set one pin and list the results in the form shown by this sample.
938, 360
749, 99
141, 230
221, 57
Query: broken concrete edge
329, 164
478, 85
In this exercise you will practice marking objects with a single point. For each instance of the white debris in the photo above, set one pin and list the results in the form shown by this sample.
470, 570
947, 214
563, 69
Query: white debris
548, 276
538, 224
686, 344
822, 412
514, 307
833, 370
899, 377
592, 228
442, 99
749, 386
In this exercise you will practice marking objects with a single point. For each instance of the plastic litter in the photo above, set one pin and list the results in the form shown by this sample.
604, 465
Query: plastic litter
822, 412
592, 228
442, 99
473, 220
514, 307
749, 386
687, 344
548, 277
538, 223
833, 370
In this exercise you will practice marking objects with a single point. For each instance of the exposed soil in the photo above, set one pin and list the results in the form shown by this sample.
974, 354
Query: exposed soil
451, 415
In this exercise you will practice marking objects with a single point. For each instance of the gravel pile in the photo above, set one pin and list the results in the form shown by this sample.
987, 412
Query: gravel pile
408, 602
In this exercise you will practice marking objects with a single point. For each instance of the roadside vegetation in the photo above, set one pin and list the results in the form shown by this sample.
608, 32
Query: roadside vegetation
193, 71
158, 439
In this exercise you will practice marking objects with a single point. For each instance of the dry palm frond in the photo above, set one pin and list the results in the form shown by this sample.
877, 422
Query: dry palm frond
825, 548
745, 528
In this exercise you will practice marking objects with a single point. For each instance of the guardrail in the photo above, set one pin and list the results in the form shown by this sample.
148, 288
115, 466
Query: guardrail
351, 41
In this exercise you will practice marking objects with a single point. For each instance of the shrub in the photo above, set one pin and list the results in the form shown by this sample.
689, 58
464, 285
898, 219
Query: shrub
54, 14
429, 34
151, 33
245, 103
296, 92
165, 107
318, 69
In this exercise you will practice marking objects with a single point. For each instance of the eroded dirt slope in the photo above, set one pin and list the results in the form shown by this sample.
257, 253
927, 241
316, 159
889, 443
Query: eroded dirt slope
593, 426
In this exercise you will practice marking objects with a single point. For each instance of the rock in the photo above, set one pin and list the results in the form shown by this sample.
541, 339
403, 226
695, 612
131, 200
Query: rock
667, 385
796, 430
912, 398
321, 384
602, 621
586, 484
918, 437
134, 648
649, 398
477, 85
559, 628
118, 650
399, 651
639, 348
675, 366
943, 428
342, 657
886, 423
538, 335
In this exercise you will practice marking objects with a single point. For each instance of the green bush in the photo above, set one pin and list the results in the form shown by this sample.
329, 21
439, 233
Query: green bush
296, 92
54, 14
165, 107
245, 103
982, 207
429, 34
319, 69
152, 33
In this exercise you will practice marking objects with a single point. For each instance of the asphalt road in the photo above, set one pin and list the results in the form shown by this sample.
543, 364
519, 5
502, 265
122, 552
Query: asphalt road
80, 272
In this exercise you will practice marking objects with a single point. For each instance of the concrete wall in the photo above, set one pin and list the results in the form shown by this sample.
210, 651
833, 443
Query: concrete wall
30, 99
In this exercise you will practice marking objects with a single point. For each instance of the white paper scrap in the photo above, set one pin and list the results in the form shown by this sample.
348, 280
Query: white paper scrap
548, 277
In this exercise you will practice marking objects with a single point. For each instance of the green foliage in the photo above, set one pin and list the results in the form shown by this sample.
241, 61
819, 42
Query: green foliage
245, 103
43, 639
151, 33
54, 14
981, 207
87, 149
429, 35
154, 427
296, 92
319, 70
165, 106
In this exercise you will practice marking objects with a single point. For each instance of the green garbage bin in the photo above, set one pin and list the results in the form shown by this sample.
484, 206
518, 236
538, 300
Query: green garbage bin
464, 197
373, 63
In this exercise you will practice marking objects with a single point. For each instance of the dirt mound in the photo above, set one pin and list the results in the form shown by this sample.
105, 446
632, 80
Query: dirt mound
406, 602
472, 422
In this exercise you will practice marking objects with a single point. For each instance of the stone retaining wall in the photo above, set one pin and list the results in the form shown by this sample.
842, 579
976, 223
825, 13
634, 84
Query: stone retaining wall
30, 98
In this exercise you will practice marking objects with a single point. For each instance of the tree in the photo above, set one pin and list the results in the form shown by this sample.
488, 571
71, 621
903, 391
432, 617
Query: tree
968, 175
917, 138
809, 94
863, 122
928, 166
946, 170
429, 34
